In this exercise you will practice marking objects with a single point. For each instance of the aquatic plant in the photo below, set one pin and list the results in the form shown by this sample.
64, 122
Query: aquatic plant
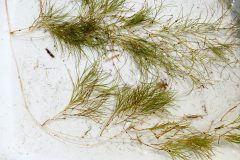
143, 100
181, 47
90, 95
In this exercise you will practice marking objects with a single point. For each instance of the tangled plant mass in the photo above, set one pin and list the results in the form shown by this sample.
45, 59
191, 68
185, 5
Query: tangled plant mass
181, 48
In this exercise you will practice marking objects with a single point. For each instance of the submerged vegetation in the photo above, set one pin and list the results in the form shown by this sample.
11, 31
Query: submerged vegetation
181, 48
142, 113
144, 100
200, 145
234, 6
182, 141
157, 44
90, 94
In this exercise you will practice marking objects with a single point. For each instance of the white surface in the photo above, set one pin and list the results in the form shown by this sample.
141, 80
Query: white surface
47, 89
